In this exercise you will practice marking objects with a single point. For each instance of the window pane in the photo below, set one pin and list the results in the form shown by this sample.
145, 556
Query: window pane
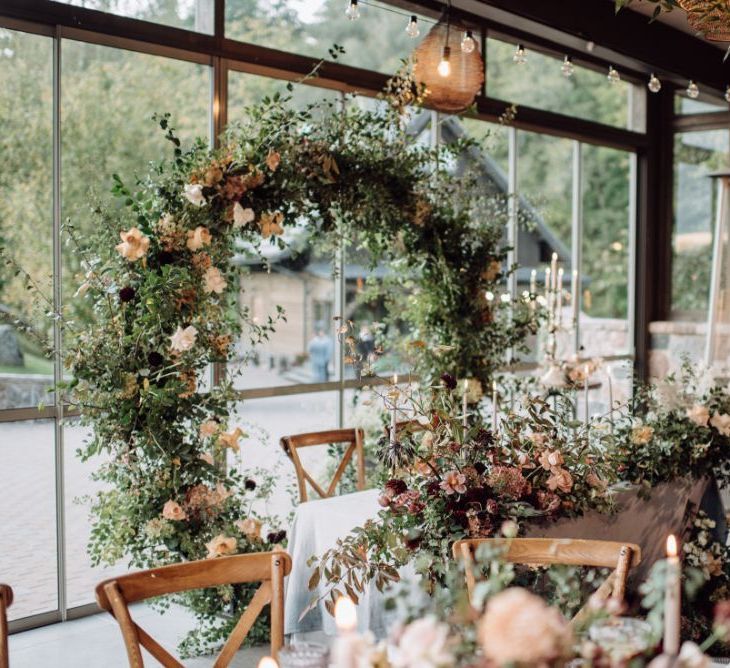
376, 41
25, 217
696, 155
540, 83
190, 14
108, 99
28, 516
266, 421
606, 212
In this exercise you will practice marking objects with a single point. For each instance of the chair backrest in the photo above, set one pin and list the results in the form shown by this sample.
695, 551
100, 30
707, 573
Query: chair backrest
354, 439
269, 568
6, 600
548, 551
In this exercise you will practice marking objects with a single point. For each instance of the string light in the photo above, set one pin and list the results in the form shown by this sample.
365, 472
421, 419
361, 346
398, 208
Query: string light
353, 10
693, 91
568, 69
467, 42
727, 94
613, 76
444, 67
520, 58
654, 84
412, 29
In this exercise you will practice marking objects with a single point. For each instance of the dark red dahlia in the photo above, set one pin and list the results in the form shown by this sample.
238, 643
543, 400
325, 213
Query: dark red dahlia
395, 487
448, 381
126, 294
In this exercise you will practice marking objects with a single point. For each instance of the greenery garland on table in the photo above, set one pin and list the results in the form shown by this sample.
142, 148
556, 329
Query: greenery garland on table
162, 287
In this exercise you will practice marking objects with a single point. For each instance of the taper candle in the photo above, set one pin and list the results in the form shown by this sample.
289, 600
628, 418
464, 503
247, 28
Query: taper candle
464, 403
347, 644
554, 270
672, 599
586, 373
533, 282
495, 406
268, 662
394, 413
560, 296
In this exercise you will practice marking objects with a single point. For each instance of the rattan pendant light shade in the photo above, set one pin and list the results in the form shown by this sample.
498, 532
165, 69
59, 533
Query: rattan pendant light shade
711, 18
455, 92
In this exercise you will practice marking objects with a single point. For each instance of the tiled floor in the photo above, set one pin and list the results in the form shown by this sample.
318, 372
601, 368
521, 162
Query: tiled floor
96, 641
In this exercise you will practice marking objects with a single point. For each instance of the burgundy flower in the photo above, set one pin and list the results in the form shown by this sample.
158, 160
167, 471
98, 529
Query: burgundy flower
394, 487
126, 294
455, 447
276, 536
155, 359
548, 501
508, 481
484, 438
492, 507
250, 484
448, 381
480, 467
433, 488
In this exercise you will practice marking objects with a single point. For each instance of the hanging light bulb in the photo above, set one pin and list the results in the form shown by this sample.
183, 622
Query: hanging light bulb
412, 29
654, 84
727, 94
613, 75
693, 91
353, 11
520, 57
467, 42
568, 69
444, 68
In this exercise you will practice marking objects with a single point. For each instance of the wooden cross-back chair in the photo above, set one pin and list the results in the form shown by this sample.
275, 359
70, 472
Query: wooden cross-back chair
352, 437
6, 600
269, 568
549, 551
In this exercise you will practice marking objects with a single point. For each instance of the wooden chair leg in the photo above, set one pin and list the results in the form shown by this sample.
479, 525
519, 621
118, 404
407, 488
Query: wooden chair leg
468, 569
277, 605
129, 630
4, 655
622, 573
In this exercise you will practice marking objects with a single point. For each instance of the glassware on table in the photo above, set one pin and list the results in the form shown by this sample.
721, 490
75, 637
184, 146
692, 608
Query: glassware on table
304, 655
622, 637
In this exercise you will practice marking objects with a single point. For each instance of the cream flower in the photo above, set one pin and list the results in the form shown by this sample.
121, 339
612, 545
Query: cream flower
550, 459
250, 528
519, 628
424, 643
230, 439
560, 479
221, 545
207, 458
242, 216
134, 244
641, 434
699, 414
209, 428
198, 238
270, 224
194, 194
454, 482
721, 422
183, 339
172, 510
213, 281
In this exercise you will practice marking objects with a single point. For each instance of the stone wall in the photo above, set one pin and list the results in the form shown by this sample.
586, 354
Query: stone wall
18, 390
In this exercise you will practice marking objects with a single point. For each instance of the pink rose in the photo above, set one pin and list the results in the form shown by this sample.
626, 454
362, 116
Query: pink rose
172, 510
454, 482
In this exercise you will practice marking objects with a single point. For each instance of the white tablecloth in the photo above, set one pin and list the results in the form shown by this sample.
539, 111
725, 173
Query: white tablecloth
317, 526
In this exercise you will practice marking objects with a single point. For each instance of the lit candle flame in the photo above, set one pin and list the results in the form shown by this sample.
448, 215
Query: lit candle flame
555, 257
345, 614
466, 384
671, 546
268, 662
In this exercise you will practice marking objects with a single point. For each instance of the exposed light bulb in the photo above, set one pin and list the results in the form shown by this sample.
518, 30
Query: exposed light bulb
520, 56
727, 94
654, 84
613, 75
568, 69
353, 10
412, 29
444, 68
693, 90
467, 42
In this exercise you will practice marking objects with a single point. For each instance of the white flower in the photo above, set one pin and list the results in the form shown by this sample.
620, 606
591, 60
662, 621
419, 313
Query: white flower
721, 422
423, 644
242, 216
691, 656
214, 281
699, 414
194, 194
183, 339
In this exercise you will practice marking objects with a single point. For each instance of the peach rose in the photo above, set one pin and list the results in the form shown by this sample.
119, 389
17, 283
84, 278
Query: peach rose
198, 238
270, 224
221, 545
721, 422
550, 459
230, 439
520, 629
134, 244
560, 479
699, 414
641, 434
242, 216
183, 339
172, 510
273, 160
207, 458
250, 528
209, 428
213, 281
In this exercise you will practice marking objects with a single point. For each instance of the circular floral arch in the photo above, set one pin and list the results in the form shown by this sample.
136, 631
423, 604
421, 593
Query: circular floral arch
163, 288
